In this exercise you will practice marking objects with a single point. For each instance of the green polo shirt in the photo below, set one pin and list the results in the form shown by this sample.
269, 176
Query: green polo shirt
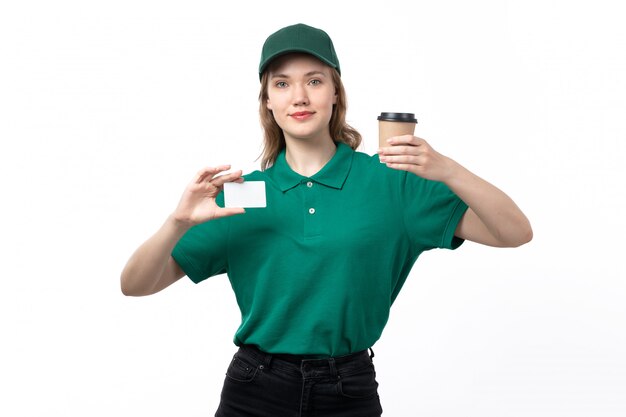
317, 270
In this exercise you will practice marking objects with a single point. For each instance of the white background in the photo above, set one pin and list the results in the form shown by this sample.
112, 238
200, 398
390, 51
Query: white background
107, 109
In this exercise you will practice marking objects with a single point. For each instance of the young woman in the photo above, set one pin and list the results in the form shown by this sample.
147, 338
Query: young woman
316, 271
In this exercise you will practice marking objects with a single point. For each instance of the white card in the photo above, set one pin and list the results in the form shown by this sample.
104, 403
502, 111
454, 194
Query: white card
247, 194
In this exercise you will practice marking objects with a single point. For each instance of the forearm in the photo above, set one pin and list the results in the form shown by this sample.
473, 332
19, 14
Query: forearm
503, 219
146, 267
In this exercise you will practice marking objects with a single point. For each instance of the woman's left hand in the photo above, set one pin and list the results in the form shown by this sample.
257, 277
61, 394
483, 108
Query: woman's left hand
413, 154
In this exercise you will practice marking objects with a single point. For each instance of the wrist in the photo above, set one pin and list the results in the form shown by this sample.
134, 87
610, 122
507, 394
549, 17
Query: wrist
179, 225
454, 172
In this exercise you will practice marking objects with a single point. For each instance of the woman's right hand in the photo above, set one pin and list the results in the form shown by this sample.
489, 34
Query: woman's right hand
197, 205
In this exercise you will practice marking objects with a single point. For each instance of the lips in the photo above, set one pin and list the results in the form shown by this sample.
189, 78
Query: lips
301, 115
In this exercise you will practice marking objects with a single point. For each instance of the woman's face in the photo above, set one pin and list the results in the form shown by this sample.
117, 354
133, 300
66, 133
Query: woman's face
301, 95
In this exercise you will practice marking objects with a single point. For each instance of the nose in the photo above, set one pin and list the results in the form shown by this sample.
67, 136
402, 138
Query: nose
300, 97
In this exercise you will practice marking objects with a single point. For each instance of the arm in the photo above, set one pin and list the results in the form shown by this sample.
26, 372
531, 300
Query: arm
151, 268
492, 218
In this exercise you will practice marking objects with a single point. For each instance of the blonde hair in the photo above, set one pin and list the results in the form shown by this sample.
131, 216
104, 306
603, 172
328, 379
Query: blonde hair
273, 137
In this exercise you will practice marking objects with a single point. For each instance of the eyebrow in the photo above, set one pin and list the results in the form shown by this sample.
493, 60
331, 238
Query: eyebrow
308, 74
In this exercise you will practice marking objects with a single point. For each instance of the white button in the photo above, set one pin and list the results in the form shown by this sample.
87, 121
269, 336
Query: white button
309, 184
311, 210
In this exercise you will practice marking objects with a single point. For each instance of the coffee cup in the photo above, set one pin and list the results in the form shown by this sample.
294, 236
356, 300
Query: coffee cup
395, 124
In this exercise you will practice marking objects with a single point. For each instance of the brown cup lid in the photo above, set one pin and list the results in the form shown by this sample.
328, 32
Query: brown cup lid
398, 117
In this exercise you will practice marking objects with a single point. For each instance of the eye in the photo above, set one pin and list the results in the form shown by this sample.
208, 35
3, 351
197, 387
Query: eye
315, 82
281, 84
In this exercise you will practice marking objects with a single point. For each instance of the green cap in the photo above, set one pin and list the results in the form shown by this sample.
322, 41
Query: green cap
299, 38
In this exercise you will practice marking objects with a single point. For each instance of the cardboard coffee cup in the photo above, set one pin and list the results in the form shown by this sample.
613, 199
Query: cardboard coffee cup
395, 124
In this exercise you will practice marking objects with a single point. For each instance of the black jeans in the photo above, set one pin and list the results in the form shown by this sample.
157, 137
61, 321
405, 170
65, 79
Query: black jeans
258, 384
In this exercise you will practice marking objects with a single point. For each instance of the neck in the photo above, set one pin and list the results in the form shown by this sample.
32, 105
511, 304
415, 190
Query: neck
307, 158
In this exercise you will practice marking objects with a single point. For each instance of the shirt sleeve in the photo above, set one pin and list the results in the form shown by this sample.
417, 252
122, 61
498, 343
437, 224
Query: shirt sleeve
432, 213
202, 251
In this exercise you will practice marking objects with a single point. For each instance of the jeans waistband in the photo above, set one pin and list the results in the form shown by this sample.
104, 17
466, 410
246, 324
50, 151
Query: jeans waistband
353, 360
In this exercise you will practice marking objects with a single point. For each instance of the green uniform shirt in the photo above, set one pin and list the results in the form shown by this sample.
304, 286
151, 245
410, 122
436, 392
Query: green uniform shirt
316, 271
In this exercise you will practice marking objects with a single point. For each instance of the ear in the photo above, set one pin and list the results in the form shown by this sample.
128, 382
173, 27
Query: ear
335, 96
268, 104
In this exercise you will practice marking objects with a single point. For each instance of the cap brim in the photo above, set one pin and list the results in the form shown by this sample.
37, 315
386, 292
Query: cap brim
280, 53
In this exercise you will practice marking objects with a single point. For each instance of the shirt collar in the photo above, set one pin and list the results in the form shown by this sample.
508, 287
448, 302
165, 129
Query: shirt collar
333, 174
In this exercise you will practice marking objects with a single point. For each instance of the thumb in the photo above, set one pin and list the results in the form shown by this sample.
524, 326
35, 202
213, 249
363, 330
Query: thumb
230, 211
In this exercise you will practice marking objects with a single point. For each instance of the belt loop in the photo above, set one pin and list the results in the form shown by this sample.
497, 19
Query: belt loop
372, 354
333, 369
267, 360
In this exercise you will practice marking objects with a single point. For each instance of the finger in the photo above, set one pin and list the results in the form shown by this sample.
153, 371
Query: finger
400, 139
231, 177
210, 172
201, 174
404, 167
406, 140
400, 159
230, 211
402, 144
400, 150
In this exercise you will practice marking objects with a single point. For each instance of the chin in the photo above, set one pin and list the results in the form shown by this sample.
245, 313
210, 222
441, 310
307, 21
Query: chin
301, 135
